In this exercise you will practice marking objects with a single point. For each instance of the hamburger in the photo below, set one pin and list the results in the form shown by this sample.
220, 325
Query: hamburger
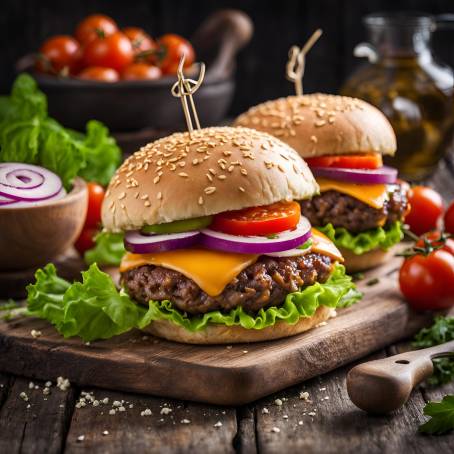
361, 205
217, 248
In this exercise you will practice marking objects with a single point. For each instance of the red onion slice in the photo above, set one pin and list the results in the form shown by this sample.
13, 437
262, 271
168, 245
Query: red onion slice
30, 203
383, 175
290, 253
283, 241
26, 182
139, 243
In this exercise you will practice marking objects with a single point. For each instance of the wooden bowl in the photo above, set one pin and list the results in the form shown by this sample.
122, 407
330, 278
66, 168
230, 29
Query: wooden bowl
33, 236
136, 105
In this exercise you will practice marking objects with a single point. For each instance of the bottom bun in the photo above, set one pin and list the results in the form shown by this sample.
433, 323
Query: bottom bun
354, 263
222, 334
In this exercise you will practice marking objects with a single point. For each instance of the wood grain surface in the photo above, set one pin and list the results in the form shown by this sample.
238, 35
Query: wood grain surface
230, 375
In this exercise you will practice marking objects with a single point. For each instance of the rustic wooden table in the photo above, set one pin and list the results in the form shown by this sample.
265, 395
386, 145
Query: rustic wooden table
322, 421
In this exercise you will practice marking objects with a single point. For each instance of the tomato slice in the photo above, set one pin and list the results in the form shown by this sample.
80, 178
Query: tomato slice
351, 161
264, 220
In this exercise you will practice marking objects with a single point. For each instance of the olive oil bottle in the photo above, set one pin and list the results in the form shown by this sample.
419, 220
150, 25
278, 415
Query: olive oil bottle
413, 90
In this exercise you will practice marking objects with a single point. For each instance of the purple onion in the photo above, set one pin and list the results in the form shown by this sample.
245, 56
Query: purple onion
141, 243
383, 175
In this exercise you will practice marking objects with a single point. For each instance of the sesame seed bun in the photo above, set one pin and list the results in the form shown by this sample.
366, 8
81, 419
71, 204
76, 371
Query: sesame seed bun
206, 172
222, 334
376, 257
320, 124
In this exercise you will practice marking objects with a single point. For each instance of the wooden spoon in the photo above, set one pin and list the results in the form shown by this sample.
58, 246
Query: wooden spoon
385, 385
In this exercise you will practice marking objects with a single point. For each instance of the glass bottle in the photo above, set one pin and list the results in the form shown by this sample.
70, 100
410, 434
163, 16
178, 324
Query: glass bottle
413, 90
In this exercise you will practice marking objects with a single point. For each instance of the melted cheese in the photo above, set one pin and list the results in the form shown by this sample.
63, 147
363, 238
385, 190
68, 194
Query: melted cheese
323, 245
210, 270
372, 194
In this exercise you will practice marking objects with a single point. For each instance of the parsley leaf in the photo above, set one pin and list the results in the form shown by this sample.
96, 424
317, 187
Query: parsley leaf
440, 332
442, 416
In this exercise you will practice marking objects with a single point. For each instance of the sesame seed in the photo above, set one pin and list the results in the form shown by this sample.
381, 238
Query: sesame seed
222, 177
241, 189
210, 178
314, 139
144, 197
159, 196
200, 201
183, 174
147, 203
243, 171
209, 190
320, 123
156, 180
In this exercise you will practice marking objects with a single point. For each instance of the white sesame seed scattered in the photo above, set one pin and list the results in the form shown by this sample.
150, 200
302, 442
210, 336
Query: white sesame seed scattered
304, 395
121, 408
48, 384
116, 403
35, 334
112, 412
229, 347
23, 396
105, 400
245, 351
63, 384
300, 423
105, 432
31, 385
278, 402
275, 430
28, 406
46, 391
265, 411
185, 421
312, 413
218, 424
166, 411
322, 389
95, 403
81, 438
146, 412
285, 416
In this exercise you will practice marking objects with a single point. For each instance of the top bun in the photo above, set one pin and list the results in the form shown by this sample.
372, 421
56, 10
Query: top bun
319, 124
206, 172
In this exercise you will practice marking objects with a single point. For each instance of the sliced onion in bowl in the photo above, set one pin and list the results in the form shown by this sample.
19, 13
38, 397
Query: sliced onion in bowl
26, 182
140, 243
382, 175
31, 203
283, 241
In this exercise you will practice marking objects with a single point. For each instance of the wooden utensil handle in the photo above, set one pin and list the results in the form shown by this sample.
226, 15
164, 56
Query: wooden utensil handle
228, 29
384, 385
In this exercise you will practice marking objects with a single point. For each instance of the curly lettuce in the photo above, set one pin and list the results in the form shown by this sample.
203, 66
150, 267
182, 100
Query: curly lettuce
360, 243
95, 309
108, 250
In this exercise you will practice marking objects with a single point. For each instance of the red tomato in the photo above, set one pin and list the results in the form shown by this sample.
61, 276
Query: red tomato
85, 240
262, 220
142, 42
447, 244
113, 51
95, 198
427, 282
171, 48
59, 53
449, 219
94, 26
353, 161
141, 71
426, 207
100, 74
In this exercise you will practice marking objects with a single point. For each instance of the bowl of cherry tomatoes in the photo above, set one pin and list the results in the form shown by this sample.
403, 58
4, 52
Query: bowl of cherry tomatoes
123, 76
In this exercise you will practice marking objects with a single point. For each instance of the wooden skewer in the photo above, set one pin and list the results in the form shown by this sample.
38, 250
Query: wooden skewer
385, 385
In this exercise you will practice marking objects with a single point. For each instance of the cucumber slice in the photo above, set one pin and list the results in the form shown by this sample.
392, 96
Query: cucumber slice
185, 225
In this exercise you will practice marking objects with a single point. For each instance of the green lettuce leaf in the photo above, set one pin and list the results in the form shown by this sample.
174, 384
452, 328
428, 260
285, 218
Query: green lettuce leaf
360, 243
91, 309
109, 249
28, 134
442, 416
95, 309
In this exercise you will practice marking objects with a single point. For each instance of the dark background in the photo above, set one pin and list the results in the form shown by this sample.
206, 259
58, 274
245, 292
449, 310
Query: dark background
278, 25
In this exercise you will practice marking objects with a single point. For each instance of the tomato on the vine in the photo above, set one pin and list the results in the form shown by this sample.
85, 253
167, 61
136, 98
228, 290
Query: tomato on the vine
59, 54
171, 49
426, 207
449, 219
427, 282
264, 220
142, 43
353, 161
437, 240
141, 71
93, 27
95, 197
113, 51
99, 73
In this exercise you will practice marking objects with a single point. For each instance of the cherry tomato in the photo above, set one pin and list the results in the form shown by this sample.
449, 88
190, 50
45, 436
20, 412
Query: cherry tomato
113, 51
171, 48
93, 27
58, 54
142, 42
85, 240
141, 71
99, 73
95, 198
353, 161
262, 220
427, 282
426, 207
449, 219
447, 244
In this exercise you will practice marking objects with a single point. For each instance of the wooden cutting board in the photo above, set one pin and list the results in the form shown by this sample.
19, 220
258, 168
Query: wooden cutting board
215, 374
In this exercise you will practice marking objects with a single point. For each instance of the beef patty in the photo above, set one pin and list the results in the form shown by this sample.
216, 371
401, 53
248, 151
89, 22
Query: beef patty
262, 284
343, 210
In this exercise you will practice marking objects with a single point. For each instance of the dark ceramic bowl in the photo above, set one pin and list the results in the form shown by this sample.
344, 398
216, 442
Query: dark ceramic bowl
135, 105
